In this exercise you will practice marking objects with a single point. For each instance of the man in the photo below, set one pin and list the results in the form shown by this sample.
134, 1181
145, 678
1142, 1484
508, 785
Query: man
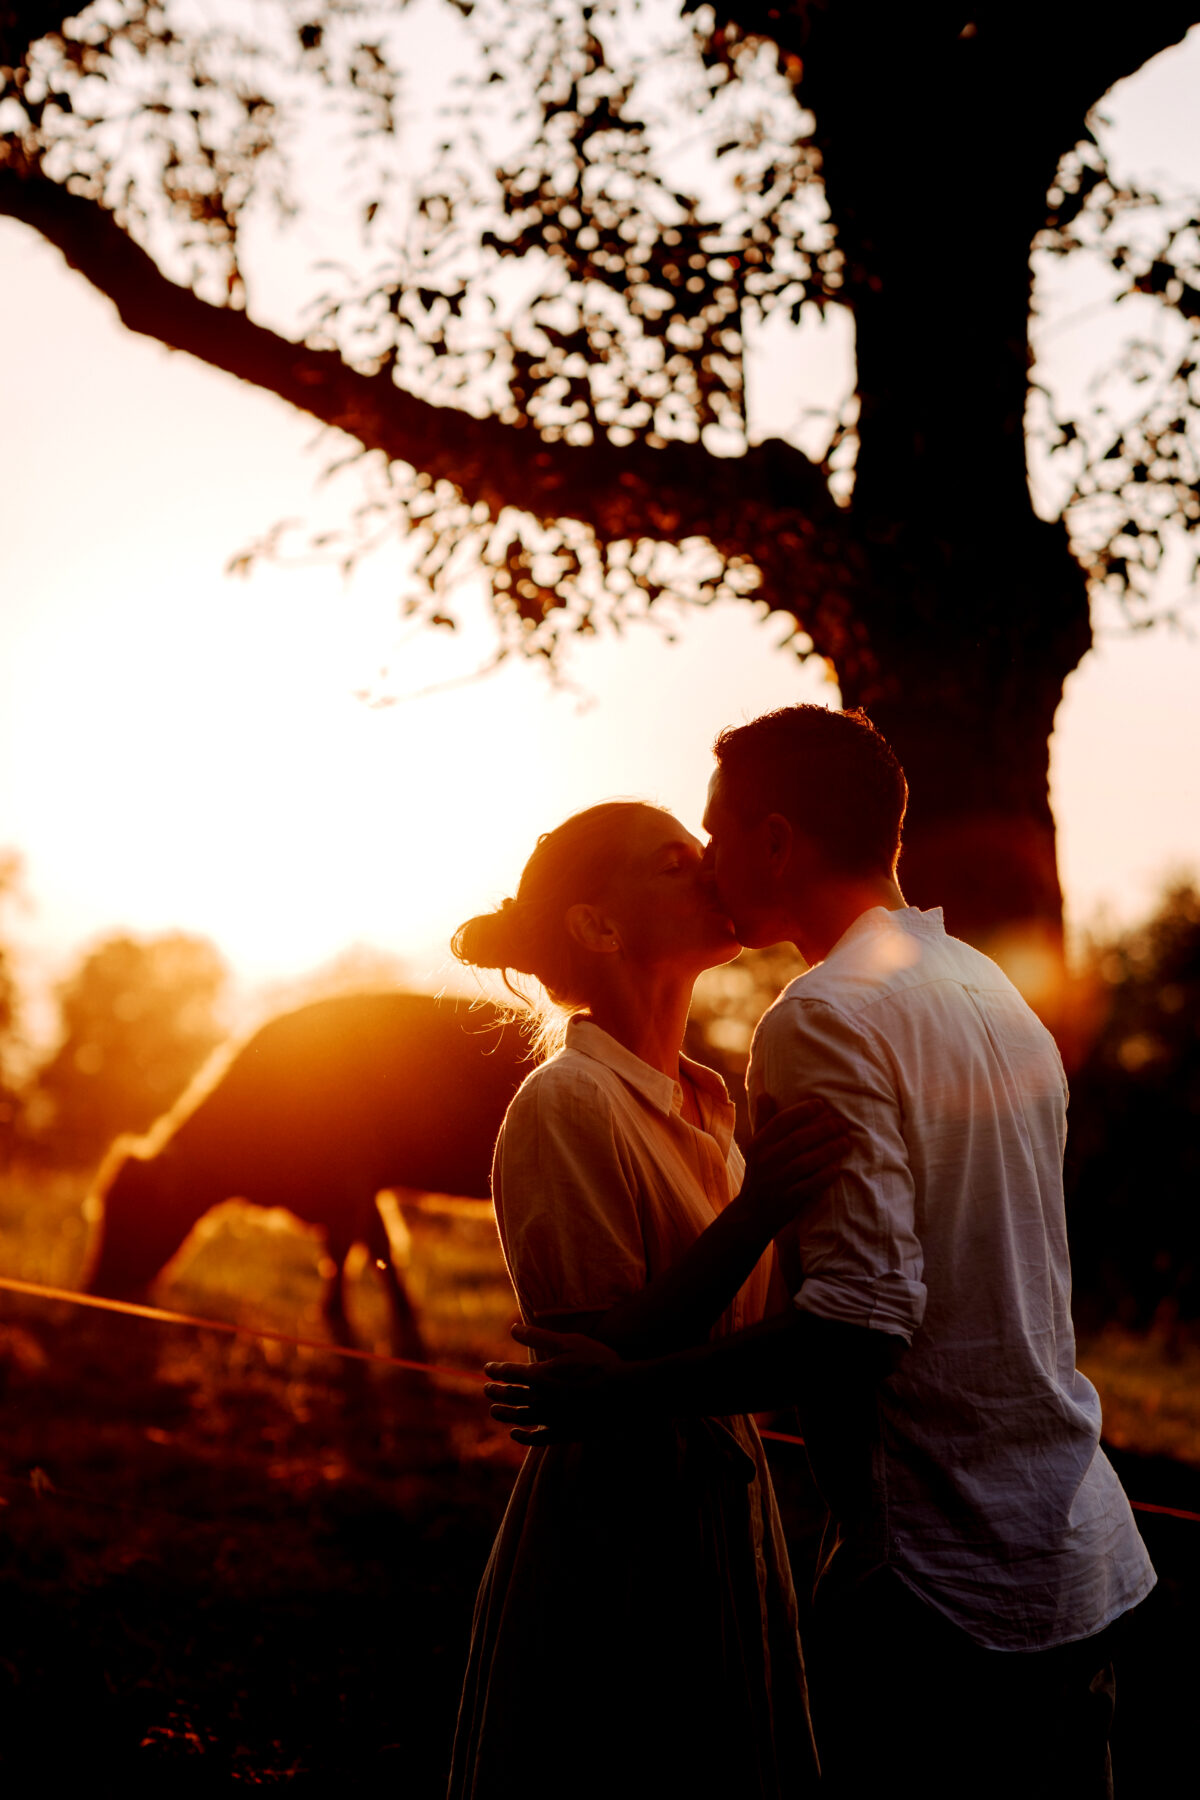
985, 1548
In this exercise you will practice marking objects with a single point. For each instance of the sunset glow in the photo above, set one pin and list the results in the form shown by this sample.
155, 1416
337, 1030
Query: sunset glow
180, 748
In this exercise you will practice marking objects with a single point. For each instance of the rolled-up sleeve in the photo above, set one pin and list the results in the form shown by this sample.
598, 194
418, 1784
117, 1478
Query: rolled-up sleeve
567, 1201
861, 1256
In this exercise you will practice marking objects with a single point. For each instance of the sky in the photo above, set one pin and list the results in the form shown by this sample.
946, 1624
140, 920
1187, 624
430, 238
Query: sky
180, 748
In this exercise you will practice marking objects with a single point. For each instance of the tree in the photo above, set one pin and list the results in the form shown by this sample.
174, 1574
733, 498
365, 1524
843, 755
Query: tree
138, 1018
585, 438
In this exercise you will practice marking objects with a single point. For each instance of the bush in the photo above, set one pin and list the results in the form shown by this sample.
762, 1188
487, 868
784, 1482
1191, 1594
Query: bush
1133, 1149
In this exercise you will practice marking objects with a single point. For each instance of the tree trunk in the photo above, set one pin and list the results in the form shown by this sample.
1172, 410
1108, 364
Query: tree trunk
975, 610
979, 838
970, 714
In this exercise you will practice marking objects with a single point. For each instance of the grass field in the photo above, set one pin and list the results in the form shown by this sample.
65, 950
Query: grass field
229, 1562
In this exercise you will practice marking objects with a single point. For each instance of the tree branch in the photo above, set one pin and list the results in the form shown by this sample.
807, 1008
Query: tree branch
621, 492
1094, 60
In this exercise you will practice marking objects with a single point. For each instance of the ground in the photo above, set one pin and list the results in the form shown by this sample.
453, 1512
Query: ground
226, 1562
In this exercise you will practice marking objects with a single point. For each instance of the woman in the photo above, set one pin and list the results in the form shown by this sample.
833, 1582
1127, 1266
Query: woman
635, 1632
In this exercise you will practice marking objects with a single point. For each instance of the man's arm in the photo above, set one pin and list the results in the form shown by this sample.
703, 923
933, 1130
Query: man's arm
820, 1365
856, 1257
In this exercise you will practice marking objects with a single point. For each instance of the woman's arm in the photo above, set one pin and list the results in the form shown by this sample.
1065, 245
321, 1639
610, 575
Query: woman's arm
792, 1160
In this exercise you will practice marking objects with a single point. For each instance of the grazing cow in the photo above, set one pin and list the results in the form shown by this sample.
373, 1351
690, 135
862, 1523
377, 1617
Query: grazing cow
318, 1112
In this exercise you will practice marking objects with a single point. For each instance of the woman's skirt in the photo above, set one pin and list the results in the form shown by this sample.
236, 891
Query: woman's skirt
635, 1632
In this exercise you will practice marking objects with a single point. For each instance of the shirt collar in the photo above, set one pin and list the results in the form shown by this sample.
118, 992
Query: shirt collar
665, 1095
885, 918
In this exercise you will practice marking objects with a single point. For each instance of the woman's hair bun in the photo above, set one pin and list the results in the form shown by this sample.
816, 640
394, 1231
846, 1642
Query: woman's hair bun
492, 940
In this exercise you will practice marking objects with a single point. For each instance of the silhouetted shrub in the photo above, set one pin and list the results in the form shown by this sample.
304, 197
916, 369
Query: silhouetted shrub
1133, 1150
139, 1017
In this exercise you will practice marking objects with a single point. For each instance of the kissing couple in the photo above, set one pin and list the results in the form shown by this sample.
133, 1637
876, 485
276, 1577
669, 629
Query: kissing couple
890, 1259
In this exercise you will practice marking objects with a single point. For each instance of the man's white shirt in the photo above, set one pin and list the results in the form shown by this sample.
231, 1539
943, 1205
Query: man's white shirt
987, 1491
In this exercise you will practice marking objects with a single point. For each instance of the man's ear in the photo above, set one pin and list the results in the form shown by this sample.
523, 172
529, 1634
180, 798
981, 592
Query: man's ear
780, 842
589, 927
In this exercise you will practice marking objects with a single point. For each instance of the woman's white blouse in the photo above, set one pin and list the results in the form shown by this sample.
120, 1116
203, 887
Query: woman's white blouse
601, 1184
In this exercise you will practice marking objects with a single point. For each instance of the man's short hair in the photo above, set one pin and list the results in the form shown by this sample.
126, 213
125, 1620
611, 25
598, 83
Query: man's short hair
831, 774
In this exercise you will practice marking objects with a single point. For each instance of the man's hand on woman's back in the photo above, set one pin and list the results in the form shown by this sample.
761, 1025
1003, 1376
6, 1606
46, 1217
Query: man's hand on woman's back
573, 1393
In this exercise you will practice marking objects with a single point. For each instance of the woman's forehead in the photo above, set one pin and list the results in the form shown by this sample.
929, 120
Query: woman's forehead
657, 831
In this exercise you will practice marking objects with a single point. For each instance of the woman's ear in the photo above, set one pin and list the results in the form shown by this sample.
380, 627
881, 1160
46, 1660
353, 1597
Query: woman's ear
590, 928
